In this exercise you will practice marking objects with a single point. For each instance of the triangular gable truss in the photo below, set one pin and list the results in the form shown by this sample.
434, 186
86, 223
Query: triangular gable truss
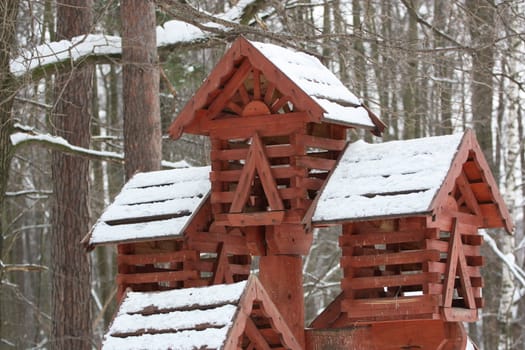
244, 68
472, 184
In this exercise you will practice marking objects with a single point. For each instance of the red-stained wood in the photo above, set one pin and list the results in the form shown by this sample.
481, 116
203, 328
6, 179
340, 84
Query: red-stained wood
281, 276
288, 239
329, 315
256, 218
324, 143
255, 108
394, 281
457, 267
155, 277
315, 163
268, 94
222, 272
468, 194
157, 257
273, 151
212, 82
243, 128
372, 238
255, 336
401, 308
229, 89
403, 257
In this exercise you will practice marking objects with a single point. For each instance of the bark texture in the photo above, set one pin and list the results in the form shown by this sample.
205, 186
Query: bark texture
70, 265
9, 10
140, 75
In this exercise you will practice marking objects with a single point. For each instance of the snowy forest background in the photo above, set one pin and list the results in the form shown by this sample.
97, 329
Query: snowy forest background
425, 67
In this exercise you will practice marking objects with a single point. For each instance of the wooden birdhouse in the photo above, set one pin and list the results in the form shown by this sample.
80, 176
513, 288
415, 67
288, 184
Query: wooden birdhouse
410, 212
278, 120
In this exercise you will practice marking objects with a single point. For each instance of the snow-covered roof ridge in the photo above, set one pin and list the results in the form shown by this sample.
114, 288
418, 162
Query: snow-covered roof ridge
153, 205
309, 73
387, 179
320, 83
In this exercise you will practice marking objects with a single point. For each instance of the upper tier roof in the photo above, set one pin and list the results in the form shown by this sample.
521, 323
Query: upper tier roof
403, 178
310, 85
153, 205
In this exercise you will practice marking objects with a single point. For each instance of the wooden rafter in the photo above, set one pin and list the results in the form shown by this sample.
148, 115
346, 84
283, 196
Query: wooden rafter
467, 194
223, 273
230, 88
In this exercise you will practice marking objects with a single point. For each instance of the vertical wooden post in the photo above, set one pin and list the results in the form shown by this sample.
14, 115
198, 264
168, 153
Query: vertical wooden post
282, 277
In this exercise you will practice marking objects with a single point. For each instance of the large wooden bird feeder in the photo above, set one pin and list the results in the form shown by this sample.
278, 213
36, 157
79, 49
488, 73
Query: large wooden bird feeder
278, 123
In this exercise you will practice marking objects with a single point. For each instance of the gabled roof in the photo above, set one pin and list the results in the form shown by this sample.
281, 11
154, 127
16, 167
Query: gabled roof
302, 77
215, 317
405, 178
157, 204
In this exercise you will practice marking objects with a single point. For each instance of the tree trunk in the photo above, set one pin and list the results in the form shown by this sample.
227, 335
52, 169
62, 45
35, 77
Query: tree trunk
481, 28
9, 10
70, 265
140, 74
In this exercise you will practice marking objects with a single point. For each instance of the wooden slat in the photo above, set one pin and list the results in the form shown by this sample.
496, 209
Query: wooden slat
256, 218
324, 143
366, 239
154, 258
311, 183
482, 192
273, 151
234, 175
154, 277
403, 257
384, 307
388, 281
315, 163
268, 125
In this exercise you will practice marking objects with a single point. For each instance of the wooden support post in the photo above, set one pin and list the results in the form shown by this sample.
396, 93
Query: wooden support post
282, 278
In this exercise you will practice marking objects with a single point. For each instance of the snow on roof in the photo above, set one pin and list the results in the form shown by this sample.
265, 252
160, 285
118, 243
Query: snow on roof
190, 318
317, 81
388, 179
153, 205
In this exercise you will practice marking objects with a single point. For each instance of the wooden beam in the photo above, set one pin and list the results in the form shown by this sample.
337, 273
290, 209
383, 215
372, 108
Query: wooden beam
222, 272
275, 217
402, 257
399, 307
229, 89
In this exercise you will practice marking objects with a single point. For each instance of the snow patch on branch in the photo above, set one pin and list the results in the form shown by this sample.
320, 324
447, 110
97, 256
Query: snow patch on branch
170, 33
20, 138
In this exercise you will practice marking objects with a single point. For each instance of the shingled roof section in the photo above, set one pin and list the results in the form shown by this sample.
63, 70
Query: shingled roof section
309, 84
190, 318
214, 317
401, 178
157, 204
